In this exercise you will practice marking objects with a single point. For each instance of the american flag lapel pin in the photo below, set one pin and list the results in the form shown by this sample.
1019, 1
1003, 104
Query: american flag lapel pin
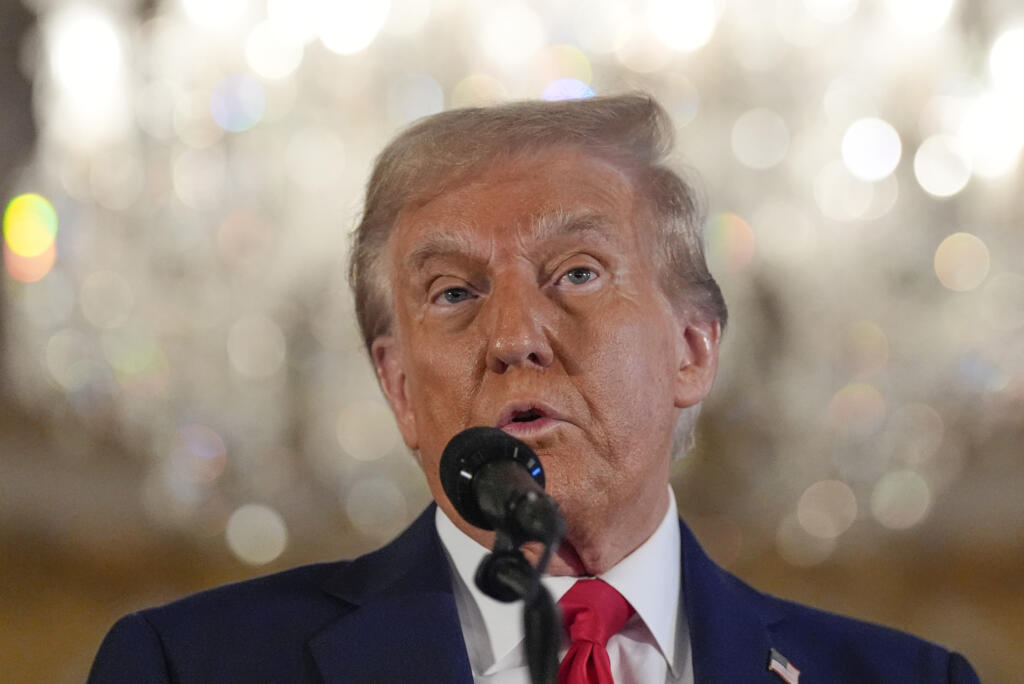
778, 664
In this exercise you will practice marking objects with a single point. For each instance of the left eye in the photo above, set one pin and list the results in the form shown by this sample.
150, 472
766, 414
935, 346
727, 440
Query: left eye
579, 275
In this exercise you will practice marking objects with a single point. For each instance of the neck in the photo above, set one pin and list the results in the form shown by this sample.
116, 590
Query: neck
589, 550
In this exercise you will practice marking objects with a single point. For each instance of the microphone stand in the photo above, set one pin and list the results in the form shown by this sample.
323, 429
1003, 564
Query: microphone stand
506, 575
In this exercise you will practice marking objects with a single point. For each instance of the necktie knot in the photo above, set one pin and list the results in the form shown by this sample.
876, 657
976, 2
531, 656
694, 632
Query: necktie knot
592, 611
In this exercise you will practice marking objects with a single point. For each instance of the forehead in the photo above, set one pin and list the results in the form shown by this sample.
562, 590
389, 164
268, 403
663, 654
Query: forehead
562, 193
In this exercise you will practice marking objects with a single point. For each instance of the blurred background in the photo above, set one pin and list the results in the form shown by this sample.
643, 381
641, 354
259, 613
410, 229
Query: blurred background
184, 400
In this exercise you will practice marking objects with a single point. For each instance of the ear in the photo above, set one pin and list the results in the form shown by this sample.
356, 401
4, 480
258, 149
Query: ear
388, 362
698, 360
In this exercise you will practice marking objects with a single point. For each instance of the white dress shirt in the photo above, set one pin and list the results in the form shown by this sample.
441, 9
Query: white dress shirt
654, 646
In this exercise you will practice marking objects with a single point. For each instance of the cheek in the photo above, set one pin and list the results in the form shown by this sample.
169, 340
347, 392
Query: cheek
442, 389
630, 365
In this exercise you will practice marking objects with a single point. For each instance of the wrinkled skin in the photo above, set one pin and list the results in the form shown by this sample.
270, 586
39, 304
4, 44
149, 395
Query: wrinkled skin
534, 284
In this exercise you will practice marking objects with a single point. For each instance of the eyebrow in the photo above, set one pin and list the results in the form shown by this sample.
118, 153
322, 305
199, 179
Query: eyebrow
544, 227
447, 242
557, 224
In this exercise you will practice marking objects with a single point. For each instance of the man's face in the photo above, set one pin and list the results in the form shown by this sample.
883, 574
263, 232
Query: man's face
527, 299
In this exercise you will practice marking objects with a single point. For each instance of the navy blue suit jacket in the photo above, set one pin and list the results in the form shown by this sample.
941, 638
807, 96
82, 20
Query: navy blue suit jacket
390, 616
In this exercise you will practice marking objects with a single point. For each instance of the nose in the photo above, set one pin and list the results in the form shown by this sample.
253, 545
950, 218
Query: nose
518, 335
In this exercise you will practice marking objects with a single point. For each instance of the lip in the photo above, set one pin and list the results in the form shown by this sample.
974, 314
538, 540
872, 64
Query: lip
549, 419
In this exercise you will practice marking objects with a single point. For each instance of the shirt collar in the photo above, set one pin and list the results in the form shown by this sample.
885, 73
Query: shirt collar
649, 578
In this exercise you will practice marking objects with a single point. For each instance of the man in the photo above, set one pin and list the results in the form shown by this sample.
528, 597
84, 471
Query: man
536, 268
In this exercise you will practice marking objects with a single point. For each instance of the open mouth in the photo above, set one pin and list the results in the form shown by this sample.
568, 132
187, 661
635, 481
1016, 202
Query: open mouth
527, 416
528, 419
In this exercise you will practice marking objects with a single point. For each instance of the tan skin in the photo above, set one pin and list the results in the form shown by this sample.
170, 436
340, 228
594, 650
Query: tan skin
534, 284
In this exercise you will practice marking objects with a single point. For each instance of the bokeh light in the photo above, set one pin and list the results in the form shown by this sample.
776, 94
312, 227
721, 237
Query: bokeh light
510, 32
840, 195
222, 14
348, 26
684, 25
30, 225
478, 89
86, 59
919, 16
760, 138
567, 89
730, 242
640, 51
407, 17
366, 430
563, 61
884, 196
871, 149
139, 362
1005, 60
901, 499
913, 434
296, 20
199, 453
961, 262
29, 269
238, 102
826, 509
796, 25
376, 507
857, 408
941, 166
270, 53
192, 121
800, 548
992, 132
866, 348
256, 534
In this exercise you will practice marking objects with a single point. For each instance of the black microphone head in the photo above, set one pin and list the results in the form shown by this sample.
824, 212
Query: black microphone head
467, 452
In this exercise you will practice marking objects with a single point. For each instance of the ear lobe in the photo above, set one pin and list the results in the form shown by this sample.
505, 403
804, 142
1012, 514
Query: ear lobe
699, 361
387, 361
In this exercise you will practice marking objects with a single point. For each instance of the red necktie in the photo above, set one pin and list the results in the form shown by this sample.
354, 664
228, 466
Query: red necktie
592, 611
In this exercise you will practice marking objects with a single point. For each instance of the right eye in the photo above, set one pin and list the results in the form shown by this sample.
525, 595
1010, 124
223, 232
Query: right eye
453, 295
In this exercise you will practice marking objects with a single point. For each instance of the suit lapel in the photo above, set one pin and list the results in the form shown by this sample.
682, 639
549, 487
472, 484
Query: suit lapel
402, 625
728, 635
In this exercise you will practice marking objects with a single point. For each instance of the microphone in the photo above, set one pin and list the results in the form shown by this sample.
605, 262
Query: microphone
496, 482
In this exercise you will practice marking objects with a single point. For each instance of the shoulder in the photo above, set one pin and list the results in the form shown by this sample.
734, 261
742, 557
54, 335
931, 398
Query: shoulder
260, 629
253, 605
735, 627
254, 628
831, 647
